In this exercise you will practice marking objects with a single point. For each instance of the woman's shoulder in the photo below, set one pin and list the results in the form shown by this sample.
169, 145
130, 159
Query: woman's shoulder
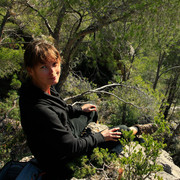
28, 88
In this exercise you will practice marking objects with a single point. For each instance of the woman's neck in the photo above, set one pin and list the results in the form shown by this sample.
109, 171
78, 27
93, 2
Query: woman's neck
48, 91
43, 88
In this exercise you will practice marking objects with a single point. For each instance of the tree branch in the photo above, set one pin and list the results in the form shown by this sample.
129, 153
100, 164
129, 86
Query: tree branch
60, 17
93, 28
105, 92
7, 113
45, 20
100, 90
6, 17
173, 135
78, 22
104, 87
168, 70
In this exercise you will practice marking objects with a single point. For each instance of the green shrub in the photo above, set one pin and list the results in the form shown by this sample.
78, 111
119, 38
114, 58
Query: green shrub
81, 167
98, 162
140, 163
15, 83
11, 136
9, 106
11, 60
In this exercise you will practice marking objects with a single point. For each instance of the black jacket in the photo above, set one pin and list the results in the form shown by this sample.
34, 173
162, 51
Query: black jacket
44, 119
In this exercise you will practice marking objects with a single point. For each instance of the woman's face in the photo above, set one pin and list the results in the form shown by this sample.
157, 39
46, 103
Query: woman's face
45, 75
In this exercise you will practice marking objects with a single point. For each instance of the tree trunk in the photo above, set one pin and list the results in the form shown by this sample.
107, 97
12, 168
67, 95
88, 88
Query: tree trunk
175, 132
161, 59
124, 114
172, 92
4, 22
57, 28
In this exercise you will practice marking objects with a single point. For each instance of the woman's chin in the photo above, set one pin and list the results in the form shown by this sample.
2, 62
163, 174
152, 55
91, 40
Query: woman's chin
54, 82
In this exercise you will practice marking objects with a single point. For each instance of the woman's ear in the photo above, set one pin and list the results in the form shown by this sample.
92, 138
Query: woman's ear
29, 70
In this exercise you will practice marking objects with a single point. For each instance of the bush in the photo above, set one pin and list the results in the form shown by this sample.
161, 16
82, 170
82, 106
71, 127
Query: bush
140, 163
100, 162
12, 139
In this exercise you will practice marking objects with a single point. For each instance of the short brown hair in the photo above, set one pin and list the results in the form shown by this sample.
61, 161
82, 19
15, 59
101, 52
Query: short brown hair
39, 51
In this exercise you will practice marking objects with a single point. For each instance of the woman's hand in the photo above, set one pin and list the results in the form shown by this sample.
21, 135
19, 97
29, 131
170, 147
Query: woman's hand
88, 107
111, 134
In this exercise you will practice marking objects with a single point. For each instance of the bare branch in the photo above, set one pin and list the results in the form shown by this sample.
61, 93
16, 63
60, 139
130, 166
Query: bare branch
105, 92
59, 21
147, 175
45, 20
100, 90
6, 17
7, 113
175, 67
93, 28
20, 42
1, 14
78, 22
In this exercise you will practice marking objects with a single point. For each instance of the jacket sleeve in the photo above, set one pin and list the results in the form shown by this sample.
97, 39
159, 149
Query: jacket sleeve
73, 111
52, 134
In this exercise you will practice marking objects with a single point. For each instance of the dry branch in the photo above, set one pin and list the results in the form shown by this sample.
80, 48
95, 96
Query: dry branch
6, 115
101, 90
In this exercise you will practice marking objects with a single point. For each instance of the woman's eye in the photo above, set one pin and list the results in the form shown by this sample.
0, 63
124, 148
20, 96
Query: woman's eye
43, 67
55, 63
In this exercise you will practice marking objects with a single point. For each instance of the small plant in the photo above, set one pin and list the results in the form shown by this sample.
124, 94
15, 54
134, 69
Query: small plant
81, 167
140, 162
15, 83
12, 139
99, 162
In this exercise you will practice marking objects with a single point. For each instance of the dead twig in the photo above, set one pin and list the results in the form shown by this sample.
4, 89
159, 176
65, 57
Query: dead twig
6, 115
102, 91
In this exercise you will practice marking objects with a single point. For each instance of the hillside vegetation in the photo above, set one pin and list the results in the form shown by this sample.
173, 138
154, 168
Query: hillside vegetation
123, 56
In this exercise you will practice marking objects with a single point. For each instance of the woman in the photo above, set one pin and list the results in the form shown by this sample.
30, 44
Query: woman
52, 127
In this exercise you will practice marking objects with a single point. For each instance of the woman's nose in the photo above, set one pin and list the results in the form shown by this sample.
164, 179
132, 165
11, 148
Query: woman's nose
51, 70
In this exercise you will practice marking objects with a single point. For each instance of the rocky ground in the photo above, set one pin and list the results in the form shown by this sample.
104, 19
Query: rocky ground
170, 170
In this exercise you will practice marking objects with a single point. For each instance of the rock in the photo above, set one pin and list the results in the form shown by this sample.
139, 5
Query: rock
93, 128
171, 171
9, 124
27, 158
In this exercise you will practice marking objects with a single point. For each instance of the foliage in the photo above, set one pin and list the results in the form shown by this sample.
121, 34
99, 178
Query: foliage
99, 161
76, 85
82, 168
101, 156
15, 83
140, 163
103, 32
163, 125
133, 43
12, 139
132, 102
12, 144
9, 107
11, 60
